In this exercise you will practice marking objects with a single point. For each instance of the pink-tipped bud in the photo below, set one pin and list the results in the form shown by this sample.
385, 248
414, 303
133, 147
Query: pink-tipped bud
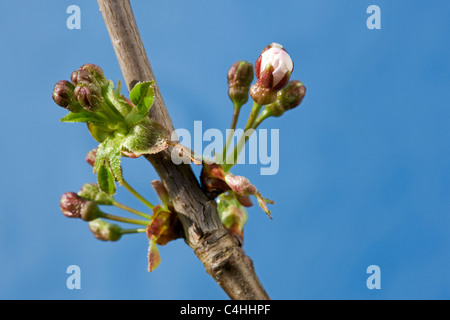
71, 205
273, 70
74, 206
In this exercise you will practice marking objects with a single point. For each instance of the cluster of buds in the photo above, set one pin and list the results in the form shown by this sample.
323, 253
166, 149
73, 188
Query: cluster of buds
161, 227
273, 70
85, 206
84, 92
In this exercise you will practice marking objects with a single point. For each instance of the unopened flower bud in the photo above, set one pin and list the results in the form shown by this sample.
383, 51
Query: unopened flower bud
95, 71
240, 77
273, 70
287, 98
81, 77
90, 97
105, 231
63, 96
90, 157
71, 205
74, 206
88, 73
273, 45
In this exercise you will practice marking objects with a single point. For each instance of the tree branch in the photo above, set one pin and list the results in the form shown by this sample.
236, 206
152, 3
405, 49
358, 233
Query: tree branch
220, 253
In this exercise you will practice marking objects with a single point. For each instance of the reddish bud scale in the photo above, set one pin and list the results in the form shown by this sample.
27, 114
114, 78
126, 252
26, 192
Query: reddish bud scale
165, 226
212, 178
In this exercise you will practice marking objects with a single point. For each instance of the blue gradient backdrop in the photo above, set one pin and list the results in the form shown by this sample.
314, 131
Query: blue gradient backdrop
364, 163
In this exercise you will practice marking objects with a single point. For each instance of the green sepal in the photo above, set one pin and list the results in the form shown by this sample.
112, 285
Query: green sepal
146, 137
114, 157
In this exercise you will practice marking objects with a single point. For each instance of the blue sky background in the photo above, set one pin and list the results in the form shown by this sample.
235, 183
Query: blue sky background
364, 162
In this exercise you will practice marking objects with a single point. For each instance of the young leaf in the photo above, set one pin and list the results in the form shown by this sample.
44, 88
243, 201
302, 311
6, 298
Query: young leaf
114, 158
142, 95
114, 98
108, 154
105, 180
101, 154
86, 116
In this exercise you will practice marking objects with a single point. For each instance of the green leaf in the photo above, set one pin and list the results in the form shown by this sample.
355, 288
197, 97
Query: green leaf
108, 154
85, 116
105, 180
142, 95
114, 98
134, 117
146, 137
114, 157
101, 155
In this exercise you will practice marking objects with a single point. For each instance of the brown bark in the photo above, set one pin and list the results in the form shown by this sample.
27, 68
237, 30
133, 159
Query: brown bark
220, 253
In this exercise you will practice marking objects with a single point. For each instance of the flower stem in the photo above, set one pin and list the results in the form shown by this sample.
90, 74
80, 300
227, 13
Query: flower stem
129, 231
234, 120
263, 116
253, 114
123, 219
252, 124
137, 212
137, 195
